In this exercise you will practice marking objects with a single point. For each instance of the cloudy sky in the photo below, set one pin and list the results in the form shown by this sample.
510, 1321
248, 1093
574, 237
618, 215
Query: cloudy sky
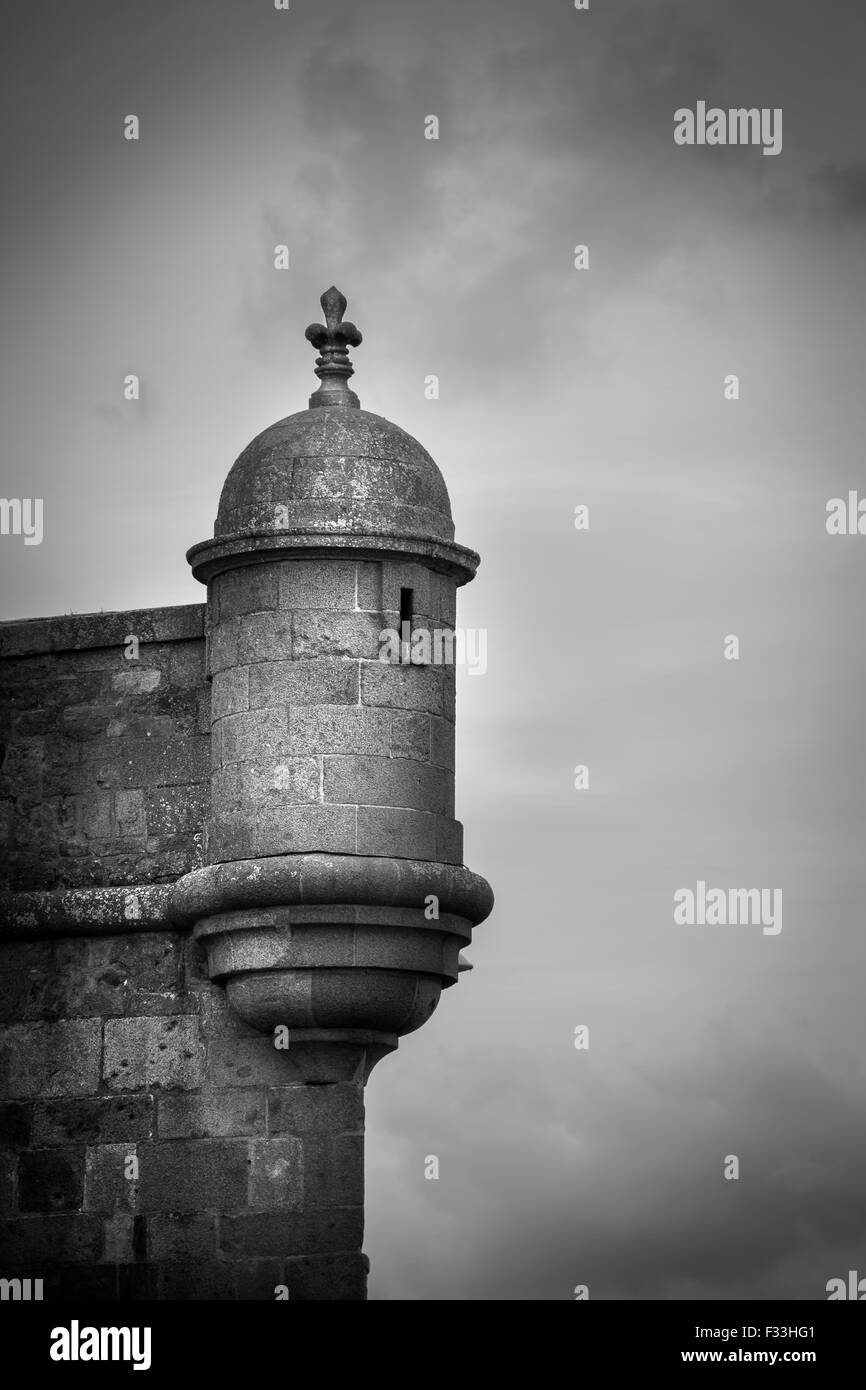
558, 387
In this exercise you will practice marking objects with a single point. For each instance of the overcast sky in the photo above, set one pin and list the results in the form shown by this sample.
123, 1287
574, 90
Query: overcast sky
604, 387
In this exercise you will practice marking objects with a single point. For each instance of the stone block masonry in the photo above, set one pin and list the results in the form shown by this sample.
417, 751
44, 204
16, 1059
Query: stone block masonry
105, 755
152, 1145
318, 745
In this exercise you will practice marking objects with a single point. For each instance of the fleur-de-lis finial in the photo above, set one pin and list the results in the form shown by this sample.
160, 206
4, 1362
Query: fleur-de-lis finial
333, 338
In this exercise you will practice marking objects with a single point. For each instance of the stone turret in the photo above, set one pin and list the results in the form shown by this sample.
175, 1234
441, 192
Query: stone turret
335, 903
199, 978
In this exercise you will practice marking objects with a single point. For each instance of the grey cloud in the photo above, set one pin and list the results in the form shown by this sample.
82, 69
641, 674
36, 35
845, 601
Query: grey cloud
845, 187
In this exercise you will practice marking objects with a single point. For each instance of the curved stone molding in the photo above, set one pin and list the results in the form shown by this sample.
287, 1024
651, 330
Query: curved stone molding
331, 879
212, 557
87, 911
328, 1056
335, 967
333, 942
299, 1000
342, 938
260, 883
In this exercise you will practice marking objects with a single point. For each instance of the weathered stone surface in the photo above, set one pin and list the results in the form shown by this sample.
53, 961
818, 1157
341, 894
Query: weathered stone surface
276, 1180
231, 835
380, 782
305, 830
176, 811
341, 635
265, 637
51, 1180
249, 1061
182, 1236
94, 1120
137, 680
373, 470
259, 733
8, 1180
37, 1240
258, 1279
142, 970
104, 631
449, 840
230, 691
129, 811
96, 910
279, 781
390, 831
50, 1059
153, 1052
328, 583
319, 1278
118, 1237
442, 743
292, 1233
368, 592
88, 736
253, 589
109, 1181
211, 1114
217, 1019
418, 578
181, 1176
338, 1109
410, 735
333, 1171
429, 688
223, 645
318, 729
443, 599
194, 1175
186, 666
328, 681
15, 1124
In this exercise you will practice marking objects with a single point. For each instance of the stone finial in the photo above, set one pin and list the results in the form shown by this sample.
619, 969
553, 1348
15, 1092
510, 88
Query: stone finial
333, 338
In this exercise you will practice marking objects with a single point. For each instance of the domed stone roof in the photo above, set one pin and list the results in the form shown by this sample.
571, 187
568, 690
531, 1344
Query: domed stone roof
338, 470
334, 475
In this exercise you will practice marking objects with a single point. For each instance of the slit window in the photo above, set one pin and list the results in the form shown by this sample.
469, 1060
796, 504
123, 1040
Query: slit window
406, 596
